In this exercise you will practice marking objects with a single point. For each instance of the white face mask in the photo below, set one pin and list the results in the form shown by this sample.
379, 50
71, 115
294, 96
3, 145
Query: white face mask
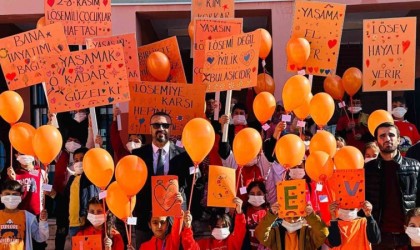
292, 227
354, 110
80, 116
96, 220
239, 120
132, 145
220, 233
256, 200
72, 146
399, 112
347, 215
368, 159
413, 233
297, 173
11, 201
25, 159
78, 168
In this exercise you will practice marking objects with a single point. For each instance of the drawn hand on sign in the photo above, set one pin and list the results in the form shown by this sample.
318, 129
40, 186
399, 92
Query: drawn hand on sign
167, 196
367, 208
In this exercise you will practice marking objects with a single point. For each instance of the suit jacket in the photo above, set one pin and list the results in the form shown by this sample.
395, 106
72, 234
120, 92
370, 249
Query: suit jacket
179, 164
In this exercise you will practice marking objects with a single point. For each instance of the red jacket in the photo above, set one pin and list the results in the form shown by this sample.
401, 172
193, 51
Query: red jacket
119, 150
60, 171
233, 242
171, 242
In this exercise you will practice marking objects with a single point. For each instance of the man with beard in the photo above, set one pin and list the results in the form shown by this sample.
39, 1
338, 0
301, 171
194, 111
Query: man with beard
392, 186
162, 157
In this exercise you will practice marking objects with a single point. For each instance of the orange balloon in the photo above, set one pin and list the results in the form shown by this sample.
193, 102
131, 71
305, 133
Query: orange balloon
246, 146
118, 202
349, 157
323, 141
131, 174
352, 80
378, 117
322, 108
198, 139
290, 150
298, 50
47, 143
266, 43
98, 166
191, 30
294, 89
159, 66
11, 106
333, 85
303, 110
20, 136
264, 106
265, 83
319, 166
41, 22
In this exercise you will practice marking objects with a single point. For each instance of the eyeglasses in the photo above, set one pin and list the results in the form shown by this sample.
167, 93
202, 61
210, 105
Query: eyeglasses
159, 125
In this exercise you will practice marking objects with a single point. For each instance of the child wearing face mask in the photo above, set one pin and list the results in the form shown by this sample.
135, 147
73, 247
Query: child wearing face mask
96, 219
221, 238
371, 151
237, 122
19, 227
306, 233
412, 228
348, 231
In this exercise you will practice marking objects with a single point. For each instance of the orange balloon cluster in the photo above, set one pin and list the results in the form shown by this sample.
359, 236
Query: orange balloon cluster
323, 141
265, 83
198, 138
118, 202
246, 146
131, 174
47, 143
333, 85
98, 166
298, 50
266, 44
290, 150
319, 166
348, 157
294, 89
378, 117
352, 81
264, 106
21, 135
11, 106
158, 66
303, 110
321, 108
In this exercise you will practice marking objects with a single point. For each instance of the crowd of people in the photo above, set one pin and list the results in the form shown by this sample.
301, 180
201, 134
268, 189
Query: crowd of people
388, 219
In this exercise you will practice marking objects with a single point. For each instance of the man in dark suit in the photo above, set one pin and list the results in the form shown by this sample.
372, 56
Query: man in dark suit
162, 157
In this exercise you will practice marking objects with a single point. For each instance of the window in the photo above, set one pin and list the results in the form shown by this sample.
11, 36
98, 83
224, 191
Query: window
104, 119
39, 106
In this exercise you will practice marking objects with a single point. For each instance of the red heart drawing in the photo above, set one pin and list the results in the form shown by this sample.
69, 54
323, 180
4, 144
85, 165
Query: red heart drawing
166, 195
310, 69
316, 69
367, 63
108, 66
384, 82
292, 66
332, 43
10, 76
71, 71
253, 69
120, 65
105, 2
405, 45
50, 3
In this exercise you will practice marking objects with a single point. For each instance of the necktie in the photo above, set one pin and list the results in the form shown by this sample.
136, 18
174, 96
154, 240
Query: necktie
160, 165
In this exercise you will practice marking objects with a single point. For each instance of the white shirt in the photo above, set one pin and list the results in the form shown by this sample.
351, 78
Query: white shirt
165, 153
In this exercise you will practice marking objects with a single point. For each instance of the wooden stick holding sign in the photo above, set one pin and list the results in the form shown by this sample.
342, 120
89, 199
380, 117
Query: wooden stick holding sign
118, 118
227, 112
54, 121
216, 111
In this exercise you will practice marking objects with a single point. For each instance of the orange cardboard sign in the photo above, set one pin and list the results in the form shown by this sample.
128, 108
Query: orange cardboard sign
213, 8
20, 54
81, 19
182, 102
348, 186
221, 187
86, 242
207, 29
164, 191
129, 44
86, 78
291, 198
170, 48
389, 54
231, 63
322, 25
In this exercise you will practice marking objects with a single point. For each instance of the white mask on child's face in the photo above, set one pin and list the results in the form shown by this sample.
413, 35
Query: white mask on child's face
297, 173
347, 215
399, 112
80, 116
413, 233
256, 200
78, 168
25, 159
132, 145
96, 219
239, 120
220, 233
292, 227
11, 201
72, 146
354, 110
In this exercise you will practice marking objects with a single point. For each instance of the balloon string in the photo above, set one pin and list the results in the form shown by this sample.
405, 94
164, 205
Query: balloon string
103, 206
130, 226
239, 177
11, 155
192, 186
127, 233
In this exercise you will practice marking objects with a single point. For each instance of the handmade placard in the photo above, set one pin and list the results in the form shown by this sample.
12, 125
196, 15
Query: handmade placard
129, 43
182, 102
389, 54
81, 19
86, 78
207, 29
20, 54
231, 63
321, 24
86, 242
221, 187
164, 191
348, 186
170, 48
291, 198
213, 8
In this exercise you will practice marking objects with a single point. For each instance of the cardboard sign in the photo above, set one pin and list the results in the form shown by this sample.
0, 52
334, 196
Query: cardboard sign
322, 25
291, 198
207, 29
81, 19
221, 187
389, 54
348, 187
86, 242
182, 102
129, 44
213, 8
86, 78
164, 191
231, 63
170, 48
20, 54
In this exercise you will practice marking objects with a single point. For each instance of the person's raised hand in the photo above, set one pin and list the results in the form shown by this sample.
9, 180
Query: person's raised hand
280, 127
224, 119
11, 173
238, 203
187, 219
107, 243
117, 112
367, 208
43, 216
309, 209
333, 208
275, 208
